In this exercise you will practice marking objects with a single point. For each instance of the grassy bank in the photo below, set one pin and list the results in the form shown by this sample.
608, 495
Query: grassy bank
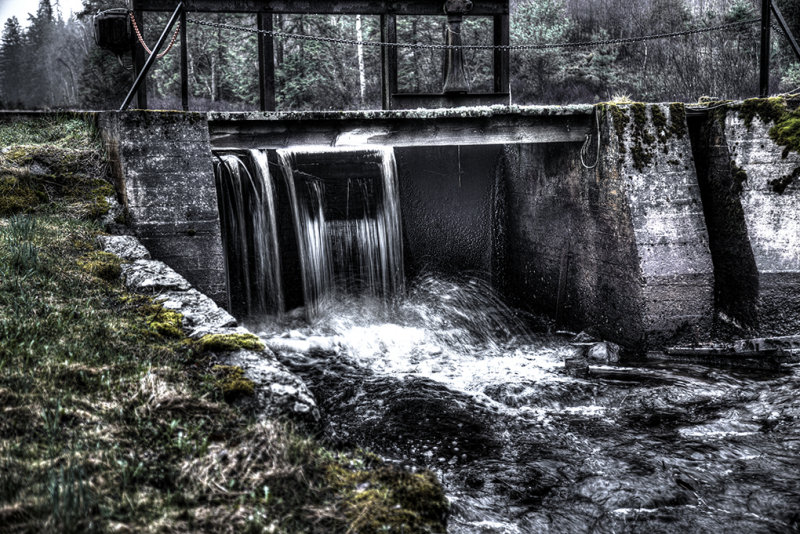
112, 420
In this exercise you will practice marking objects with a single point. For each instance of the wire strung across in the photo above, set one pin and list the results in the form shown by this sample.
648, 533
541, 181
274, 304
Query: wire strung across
544, 46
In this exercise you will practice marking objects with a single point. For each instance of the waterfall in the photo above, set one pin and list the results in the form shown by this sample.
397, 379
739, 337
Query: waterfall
249, 234
346, 215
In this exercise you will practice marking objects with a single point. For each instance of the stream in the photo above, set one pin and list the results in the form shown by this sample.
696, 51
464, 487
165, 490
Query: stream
448, 380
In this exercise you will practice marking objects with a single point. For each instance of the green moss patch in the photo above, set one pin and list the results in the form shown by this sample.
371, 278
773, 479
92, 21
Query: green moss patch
58, 163
388, 499
785, 129
739, 176
619, 119
678, 126
642, 139
767, 109
786, 132
230, 342
230, 380
103, 265
166, 322
779, 185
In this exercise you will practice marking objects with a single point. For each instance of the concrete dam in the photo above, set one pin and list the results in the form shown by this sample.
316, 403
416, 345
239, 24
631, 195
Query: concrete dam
647, 224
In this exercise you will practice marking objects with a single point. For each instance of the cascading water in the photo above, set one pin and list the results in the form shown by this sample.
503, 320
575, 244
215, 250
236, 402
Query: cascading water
250, 234
345, 217
347, 221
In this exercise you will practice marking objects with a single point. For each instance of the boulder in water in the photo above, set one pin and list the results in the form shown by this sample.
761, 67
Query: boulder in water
604, 351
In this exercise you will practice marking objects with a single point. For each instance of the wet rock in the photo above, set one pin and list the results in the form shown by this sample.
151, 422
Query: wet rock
576, 366
151, 276
584, 337
605, 352
126, 247
309, 345
201, 315
278, 392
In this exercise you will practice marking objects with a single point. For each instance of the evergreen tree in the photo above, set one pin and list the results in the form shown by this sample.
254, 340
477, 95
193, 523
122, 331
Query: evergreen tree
11, 58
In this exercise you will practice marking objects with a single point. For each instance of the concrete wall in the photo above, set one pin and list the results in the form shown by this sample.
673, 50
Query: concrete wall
643, 247
771, 215
162, 165
621, 247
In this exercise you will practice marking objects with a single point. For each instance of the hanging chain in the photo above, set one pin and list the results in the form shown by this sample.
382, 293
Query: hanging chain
546, 46
144, 45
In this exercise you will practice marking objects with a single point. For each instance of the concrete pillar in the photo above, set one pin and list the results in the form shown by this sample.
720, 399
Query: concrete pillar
621, 248
163, 169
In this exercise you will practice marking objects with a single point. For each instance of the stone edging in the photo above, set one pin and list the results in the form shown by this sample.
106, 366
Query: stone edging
278, 392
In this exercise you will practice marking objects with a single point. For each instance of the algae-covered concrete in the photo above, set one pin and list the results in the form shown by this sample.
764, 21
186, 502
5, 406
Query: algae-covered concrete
621, 247
163, 168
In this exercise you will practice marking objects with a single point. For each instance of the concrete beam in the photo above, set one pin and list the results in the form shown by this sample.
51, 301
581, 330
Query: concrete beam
351, 7
478, 126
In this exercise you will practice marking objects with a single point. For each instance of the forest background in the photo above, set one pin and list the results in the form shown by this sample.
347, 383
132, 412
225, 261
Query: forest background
53, 63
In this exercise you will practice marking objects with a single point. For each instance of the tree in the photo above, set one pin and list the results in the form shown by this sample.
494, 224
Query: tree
11, 59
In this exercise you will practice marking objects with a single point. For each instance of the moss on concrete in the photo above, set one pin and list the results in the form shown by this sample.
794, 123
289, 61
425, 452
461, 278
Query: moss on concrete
103, 265
678, 125
620, 120
230, 342
230, 380
660, 123
779, 185
767, 109
786, 132
739, 176
641, 138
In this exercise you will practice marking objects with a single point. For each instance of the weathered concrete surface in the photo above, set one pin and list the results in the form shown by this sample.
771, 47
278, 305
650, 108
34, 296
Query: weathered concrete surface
163, 169
623, 247
772, 216
735, 272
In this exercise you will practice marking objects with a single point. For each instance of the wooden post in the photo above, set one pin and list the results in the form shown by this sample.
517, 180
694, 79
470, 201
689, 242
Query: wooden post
388, 59
765, 48
501, 57
266, 63
184, 64
137, 54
